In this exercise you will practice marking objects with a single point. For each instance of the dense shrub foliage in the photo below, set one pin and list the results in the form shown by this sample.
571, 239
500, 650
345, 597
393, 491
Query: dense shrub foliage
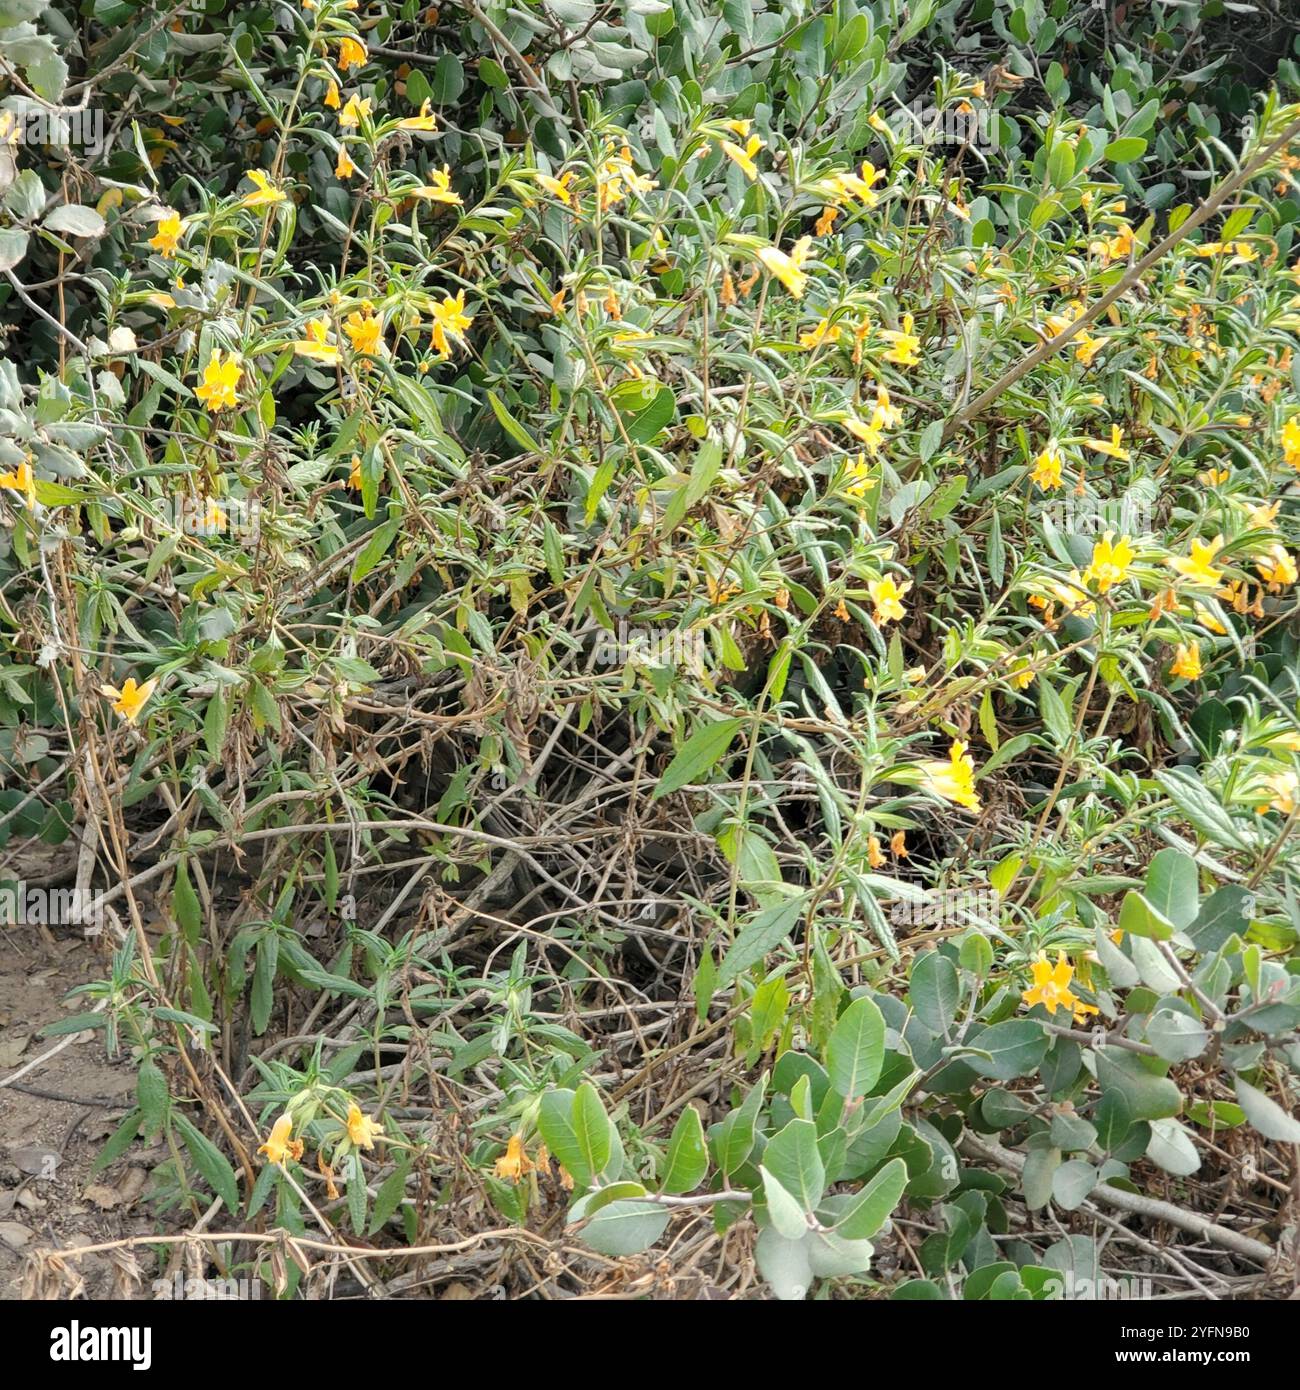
665, 634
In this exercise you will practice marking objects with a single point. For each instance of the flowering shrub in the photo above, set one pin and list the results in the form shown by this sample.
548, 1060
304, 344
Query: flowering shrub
380, 369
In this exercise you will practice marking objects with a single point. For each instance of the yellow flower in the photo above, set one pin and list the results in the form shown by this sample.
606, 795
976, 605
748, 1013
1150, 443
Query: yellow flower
859, 185
1208, 620
560, 188
424, 121
450, 322
1291, 442
1022, 673
1187, 662
267, 194
1114, 447
352, 54
168, 235
1086, 347
1051, 988
954, 780
355, 109
886, 413
1197, 566
875, 856
279, 1146
361, 1128
1214, 477
824, 331
355, 480
858, 479
332, 95
744, 157
788, 269
1284, 791
1277, 569
364, 330
316, 344
1261, 518
440, 190
826, 221
888, 596
343, 166
131, 699
1047, 468
618, 177
905, 344
21, 479
898, 845
220, 387
1110, 563
514, 1163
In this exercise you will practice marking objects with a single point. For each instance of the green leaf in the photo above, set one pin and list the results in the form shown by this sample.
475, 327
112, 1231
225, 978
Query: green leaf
787, 1214
555, 1121
855, 1052
1139, 918
1148, 1096
934, 990
625, 1227
153, 1097
1126, 149
764, 933
701, 752
76, 220
1172, 887
210, 1162
872, 1207
591, 1128
1015, 1048
645, 408
688, 1157
1266, 1115
793, 1159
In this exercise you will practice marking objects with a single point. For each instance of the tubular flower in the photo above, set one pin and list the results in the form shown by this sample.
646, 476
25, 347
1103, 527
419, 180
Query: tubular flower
450, 322
332, 99
744, 157
858, 185
788, 269
1187, 662
905, 344
21, 479
858, 479
220, 387
875, 855
514, 1163
888, 596
352, 54
1283, 789
131, 699
1277, 569
619, 177
1047, 468
279, 1146
343, 166
953, 780
823, 331
826, 221
1051, 988
898, 845
364, 330
361, 1128
1291, 442
1198, 565
167, 237
561, 188
316, 344
267, 195
355, 109
424, 121
1113, 447
1111, 560
440, 190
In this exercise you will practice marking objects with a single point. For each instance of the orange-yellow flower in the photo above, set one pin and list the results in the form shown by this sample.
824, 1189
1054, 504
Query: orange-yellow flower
424, 121
823, 331
361, 1128
1112, 447
168, 235
1111, 560
905, 344
561, 188
450, 322
888, 596
279, 1146
788, 268
354, 111
220, 387
131, 699
440, 189
875, 855
744, 157
514, 1163
1283, 790
1277, 569
953, 780
267, 195
332, 95
316, 344
352, 54
1291, 442
1047, 468
1187, 662
364, 330
1051, 988
21, 479
1198, 566
343, 166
